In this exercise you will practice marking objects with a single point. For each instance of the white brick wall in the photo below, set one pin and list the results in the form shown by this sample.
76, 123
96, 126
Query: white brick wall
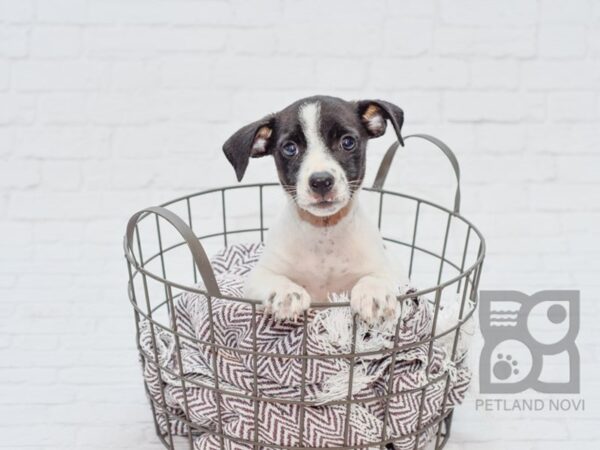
107, 106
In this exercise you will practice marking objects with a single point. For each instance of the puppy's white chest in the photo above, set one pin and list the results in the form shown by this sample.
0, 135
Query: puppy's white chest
324, 261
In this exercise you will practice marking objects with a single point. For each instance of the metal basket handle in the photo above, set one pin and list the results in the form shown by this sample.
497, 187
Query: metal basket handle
198, 254
386, 162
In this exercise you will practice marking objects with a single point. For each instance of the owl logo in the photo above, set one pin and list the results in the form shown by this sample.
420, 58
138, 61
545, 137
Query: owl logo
529, 342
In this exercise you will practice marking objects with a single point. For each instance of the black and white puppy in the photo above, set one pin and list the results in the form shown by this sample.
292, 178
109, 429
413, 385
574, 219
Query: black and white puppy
323, 241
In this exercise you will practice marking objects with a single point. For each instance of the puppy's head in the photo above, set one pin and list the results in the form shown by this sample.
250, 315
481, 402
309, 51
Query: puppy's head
319, 145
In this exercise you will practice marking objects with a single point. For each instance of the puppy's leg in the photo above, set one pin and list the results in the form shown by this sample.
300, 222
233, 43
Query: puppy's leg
373, 297
281, 296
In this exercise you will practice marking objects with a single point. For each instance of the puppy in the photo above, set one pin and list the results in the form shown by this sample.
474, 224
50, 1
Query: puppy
323, 241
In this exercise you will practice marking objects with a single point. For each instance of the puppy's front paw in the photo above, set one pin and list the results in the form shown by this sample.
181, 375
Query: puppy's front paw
287, 301
373, 299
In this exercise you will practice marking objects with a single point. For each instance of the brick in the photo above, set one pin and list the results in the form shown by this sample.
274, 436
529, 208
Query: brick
101, 413
572, 106
186, 140
14, 41
257, 13
400, 37
62, 11
340, 73
55, 42
113, 394
549, 138
125, 109
517, 430
62, 108
191, 39
196, 106
249, 105
419, 107
253, 41
574, 222
553, 75
518, 169
179, 12
59, 76
582, 138
495, 107
557, 445
562, 41
16, 108
99, 231
35, 342
564, 11
111, 359
179, 175
7, 141
411, 8
594, 40
4, 75
115, 11
595, 13
18, 232
61, 175
314, 11
578, 169
486, 42
134, 76
187, 73
492, 74
428, 73
507, 198
36, 205
89, 436
56, 281
101, 175
17, 415
38, 435
500, 138
552, 197
140, 142
476, 13
274, 72
53, 253
19, 174
66, 232
19, 12
6, 281
121, 43
99, 375
39, 395
64, 143
527, 223
342, 40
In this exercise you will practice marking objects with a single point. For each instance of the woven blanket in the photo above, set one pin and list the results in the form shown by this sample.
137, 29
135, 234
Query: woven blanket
326, 421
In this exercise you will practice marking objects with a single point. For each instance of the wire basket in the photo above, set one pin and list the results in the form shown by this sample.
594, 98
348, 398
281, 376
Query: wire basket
444, 251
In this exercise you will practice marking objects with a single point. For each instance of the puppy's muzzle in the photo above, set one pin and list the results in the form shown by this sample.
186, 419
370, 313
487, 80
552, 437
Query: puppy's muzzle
321, 183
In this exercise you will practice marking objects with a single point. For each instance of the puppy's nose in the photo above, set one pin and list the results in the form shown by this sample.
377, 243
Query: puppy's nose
321, 182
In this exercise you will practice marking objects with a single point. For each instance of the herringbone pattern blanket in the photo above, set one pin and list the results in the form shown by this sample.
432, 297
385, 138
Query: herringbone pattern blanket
325, 422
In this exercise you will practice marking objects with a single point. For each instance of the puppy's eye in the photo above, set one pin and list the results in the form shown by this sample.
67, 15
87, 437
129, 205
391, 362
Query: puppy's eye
348, 143
289, 149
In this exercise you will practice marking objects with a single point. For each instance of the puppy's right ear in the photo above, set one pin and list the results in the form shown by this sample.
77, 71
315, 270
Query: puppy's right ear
250, 141
375, 113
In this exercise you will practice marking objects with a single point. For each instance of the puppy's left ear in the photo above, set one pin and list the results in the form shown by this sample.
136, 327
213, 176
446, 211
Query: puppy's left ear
251, 141
375, 113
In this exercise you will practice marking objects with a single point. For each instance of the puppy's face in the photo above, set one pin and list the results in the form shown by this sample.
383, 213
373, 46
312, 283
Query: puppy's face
319, 145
